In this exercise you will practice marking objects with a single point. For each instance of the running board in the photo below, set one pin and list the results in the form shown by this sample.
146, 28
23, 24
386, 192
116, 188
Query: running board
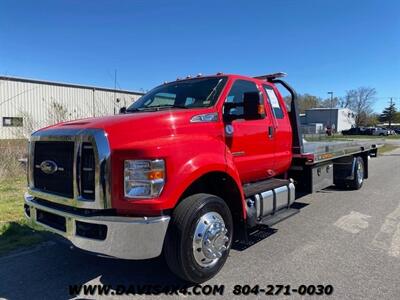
278, 216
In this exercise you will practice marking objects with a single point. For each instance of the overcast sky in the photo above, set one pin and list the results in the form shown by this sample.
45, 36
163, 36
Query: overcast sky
324, 45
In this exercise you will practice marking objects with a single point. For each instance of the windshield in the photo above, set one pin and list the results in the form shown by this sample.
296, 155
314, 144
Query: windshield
193, 93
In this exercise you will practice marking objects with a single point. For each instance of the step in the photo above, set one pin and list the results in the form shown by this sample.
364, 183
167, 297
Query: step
278, 216
252, 189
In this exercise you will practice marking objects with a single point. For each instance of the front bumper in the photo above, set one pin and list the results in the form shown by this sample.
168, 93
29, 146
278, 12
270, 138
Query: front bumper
120, 237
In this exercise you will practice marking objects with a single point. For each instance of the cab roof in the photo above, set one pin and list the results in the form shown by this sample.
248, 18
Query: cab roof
260, 78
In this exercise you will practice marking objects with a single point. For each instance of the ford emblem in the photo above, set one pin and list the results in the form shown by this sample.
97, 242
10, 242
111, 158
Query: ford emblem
48, 167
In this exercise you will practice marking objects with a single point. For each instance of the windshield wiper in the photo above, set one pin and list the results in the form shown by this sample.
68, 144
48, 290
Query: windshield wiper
158, 107
155, 107
133, 110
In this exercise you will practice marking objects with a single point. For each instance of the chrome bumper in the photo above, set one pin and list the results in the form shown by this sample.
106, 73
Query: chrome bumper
126, 237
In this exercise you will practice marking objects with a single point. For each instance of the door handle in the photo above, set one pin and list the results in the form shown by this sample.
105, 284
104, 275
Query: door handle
270, 131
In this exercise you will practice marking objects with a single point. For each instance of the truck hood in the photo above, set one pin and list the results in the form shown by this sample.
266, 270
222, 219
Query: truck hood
123, 120
126, 129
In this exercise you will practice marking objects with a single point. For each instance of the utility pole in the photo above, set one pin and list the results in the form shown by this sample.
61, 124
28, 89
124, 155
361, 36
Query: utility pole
330, 111
93, 103
115, 88
391, 111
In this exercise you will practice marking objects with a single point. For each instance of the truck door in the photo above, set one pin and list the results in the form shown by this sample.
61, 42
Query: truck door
251, 142
282, 129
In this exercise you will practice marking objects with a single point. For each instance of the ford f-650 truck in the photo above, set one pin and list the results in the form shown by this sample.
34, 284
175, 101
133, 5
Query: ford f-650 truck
186, 170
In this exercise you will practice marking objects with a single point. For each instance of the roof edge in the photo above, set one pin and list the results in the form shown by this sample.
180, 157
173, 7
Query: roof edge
55, 83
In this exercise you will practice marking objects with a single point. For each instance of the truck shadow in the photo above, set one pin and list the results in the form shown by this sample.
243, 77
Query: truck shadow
50, 271
262, 232
333, 189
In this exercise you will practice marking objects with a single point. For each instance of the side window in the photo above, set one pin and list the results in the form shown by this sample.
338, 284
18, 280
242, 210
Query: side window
12, 122
237, 91
274, 102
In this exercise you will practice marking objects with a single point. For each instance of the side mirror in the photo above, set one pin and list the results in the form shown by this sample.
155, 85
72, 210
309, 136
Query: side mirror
252, 106
250, 109
231, 111
122, 110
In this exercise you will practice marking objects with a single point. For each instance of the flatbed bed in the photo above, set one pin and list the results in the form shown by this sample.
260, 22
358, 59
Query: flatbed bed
317, 152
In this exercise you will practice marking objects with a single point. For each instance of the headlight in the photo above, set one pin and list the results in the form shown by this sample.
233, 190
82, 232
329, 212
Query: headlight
143, 178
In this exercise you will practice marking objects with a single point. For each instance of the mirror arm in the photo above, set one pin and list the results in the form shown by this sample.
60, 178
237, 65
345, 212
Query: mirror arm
122, 110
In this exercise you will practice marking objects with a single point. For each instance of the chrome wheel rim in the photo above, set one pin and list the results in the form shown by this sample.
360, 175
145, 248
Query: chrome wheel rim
360, 173
210, 239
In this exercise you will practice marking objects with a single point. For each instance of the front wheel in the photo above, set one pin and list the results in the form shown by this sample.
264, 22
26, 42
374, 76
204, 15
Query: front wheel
199, 237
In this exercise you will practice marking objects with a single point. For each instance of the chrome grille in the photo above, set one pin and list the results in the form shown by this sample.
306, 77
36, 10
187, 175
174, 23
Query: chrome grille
62, 155
77, 156
87, 172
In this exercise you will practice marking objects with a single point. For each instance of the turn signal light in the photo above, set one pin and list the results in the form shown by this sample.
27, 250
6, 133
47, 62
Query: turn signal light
261, 109
152, 175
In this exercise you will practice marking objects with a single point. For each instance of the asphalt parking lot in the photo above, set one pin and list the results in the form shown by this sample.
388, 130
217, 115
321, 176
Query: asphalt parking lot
348, 239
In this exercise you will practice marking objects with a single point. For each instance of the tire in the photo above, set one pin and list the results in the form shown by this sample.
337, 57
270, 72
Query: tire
341, 185
201, 216
358, 180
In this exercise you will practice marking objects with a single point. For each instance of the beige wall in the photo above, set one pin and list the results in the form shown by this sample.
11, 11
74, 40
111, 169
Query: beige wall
35, 103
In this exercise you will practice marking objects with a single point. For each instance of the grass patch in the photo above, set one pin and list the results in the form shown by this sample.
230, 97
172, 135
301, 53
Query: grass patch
389, 137
14, 230
387, 148
14, 143
18, 235
316, 138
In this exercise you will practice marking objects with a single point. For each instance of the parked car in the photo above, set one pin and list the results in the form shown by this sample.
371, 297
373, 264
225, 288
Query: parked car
383, 131
355, 131
369, 130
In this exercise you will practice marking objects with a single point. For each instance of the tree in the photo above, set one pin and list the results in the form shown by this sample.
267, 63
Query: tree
360, 101
388, 114
344, 102
29, 125
307, 101
372, 120
330, 103
304, 102
57, 113
397, 117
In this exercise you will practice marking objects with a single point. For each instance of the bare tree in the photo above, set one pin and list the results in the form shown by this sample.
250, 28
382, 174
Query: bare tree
57, 113
372, 120
29, 125
344, 102
360, 101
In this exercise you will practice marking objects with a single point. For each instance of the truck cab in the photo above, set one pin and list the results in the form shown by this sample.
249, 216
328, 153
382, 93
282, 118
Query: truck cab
186, 170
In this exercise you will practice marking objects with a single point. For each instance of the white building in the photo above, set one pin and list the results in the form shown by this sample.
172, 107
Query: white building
339, 118
27, 104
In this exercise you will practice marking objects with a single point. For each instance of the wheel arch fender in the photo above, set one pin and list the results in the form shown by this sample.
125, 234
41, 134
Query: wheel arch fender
209, 173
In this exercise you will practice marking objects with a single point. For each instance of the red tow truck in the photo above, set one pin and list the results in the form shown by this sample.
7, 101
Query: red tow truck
186, 170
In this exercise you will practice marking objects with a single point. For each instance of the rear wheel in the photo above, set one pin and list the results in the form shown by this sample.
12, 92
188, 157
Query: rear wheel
199, 237
358, 179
